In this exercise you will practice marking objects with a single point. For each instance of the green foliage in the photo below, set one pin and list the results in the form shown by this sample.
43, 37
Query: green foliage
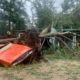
63, 54
67, 5
70, 14
76, 16
44, 17
13, 14
44, 11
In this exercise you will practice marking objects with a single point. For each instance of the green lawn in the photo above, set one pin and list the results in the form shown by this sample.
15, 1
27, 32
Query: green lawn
54, 69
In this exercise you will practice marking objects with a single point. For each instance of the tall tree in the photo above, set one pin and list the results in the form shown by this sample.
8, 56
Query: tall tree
76, 15
44, 12
13, 12
70, 13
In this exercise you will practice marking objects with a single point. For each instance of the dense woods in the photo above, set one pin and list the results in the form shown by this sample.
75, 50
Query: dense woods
14, 16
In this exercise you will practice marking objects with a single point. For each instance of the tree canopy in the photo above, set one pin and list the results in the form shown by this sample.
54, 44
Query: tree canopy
44, 12
70, 12
14, 16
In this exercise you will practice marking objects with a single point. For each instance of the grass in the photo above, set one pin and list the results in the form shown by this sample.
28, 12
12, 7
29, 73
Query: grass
61, 65
63, 54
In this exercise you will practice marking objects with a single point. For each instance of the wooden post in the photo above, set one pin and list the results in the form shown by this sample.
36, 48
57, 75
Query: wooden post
74, 41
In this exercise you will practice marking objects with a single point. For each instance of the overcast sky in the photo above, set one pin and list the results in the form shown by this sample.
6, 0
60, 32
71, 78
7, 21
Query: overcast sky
57, 5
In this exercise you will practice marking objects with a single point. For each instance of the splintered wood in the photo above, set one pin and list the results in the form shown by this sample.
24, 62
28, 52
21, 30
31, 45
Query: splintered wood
31, 39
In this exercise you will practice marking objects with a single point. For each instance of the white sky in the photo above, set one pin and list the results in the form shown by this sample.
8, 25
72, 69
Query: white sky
57, 6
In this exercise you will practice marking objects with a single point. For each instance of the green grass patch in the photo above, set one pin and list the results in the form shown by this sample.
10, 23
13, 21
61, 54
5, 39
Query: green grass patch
63, 54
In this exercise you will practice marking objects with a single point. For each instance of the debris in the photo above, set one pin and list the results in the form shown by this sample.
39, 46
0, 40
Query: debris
28, 46
13, 54
2, 45
2, 41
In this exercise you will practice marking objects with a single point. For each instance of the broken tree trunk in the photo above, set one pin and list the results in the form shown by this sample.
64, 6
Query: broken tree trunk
7, 40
